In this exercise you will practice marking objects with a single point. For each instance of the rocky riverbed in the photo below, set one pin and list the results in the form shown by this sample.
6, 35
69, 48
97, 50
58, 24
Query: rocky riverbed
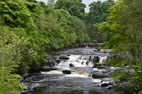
73, 71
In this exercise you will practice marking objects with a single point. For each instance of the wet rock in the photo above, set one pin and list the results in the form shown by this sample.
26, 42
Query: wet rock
103, 51
51, 57
90, 58
109, 87
66, 71
71, 65
98, 65
83, 45
98, 75
82, 62
114, 69
51, 63
106, 83
58, 61
108, 79
95, 50
87, 62
82, 73
47, 68
64, 57
96, 59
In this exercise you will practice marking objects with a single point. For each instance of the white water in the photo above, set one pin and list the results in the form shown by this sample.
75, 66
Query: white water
76, 61
103, 59
80, 81
53, 72
77, 75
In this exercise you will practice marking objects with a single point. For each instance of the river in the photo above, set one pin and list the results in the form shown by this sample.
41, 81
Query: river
76, 73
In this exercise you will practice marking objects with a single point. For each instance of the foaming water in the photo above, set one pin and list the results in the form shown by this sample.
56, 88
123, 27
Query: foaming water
76, 61
79, 81
64, 84
103, 59
53, 72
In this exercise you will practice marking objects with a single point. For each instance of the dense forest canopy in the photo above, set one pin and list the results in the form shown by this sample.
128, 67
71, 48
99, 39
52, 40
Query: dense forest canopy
29, 29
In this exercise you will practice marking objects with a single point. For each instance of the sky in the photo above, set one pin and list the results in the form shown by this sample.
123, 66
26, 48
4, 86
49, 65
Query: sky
87, 2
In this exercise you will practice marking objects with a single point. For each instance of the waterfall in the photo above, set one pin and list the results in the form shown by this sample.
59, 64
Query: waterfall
75, 61
103, 59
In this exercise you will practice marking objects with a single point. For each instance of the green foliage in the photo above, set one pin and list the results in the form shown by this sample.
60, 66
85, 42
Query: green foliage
74, 7
65, 30
29, 29
124, 23
15, 14
51, 3
81, 31
11, 50
98, 13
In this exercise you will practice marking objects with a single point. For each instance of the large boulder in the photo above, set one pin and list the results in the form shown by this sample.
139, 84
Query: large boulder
100, 66
66, 71
98, 75
107, 82
64, 57
71, 65
47, 68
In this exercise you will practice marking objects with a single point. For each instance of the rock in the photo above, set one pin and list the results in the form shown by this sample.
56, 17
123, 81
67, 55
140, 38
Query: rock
47, 68
58, 61
51, 62
98, 75
82, 62
109, 87
114, 69
66, 71
105, 51
95, 50
64, 57
98, 65
87, 63
106, 83
83, 45
96, 59
71, 65
82, 73
101, 67
108, 79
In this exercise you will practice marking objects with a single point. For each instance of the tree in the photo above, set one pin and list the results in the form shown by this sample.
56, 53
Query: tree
51, 3
98, 13
74, 7
124, 24
15, 14
12, 47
